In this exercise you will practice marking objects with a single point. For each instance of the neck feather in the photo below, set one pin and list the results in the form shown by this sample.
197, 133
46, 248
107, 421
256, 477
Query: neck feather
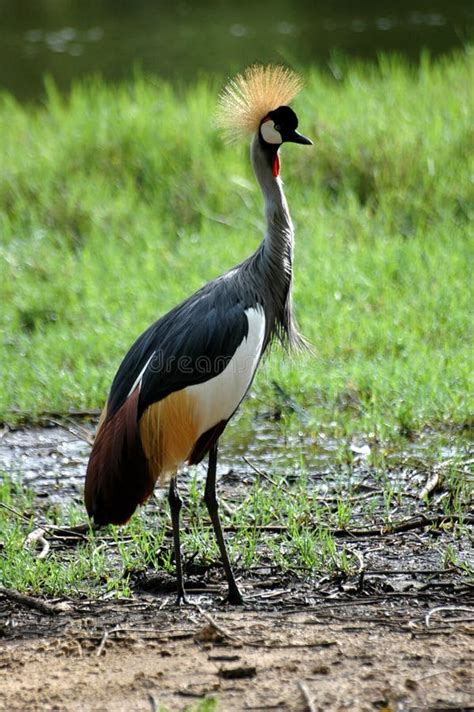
276, 251
278, 243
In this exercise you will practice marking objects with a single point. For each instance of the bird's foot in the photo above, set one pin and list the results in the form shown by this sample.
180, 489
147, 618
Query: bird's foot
182, 599
234, 597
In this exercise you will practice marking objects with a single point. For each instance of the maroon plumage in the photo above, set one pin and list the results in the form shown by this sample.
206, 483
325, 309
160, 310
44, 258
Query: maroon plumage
118, 477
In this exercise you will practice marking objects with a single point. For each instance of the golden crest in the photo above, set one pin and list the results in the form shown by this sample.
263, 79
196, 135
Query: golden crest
248, 98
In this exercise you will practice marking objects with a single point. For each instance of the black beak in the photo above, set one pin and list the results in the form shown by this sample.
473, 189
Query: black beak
296, 137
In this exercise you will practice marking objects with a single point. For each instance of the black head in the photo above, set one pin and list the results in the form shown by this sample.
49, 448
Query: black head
279, 126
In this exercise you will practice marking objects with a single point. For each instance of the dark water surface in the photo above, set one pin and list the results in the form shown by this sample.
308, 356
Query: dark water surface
69, 39
52, 460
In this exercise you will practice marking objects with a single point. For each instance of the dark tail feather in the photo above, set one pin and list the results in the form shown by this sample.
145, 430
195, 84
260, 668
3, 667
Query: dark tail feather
118, 477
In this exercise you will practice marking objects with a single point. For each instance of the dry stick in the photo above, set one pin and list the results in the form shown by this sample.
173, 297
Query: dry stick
153, 703
78, 531
413, 572
417, 522
268, 594
149, 634
16, 512
430, 486
360, 558
102, 642
163, 603
307, 697
212, 622
76, 431
29, 601
263, 474
118, 629
433, 674
422, 521
409, 524
270, 645
93, 413
37, 537
445, 608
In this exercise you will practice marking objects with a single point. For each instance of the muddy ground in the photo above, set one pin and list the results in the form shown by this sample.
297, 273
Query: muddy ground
397, 635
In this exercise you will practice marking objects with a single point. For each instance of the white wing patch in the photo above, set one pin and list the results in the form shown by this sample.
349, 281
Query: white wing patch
218, 398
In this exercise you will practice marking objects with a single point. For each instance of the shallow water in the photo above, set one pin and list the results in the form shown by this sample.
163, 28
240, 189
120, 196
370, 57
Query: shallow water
180, 40
52, 460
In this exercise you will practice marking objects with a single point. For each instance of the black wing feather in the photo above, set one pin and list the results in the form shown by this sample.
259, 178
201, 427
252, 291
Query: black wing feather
191, 344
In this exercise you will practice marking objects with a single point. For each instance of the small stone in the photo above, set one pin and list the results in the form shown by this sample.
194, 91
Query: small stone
321, 670
238, 673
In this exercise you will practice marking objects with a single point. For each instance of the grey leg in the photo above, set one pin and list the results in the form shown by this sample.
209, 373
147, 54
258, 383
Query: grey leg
175, 507
212, 505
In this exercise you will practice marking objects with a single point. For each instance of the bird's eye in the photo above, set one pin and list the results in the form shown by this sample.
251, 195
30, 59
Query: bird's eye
277, 127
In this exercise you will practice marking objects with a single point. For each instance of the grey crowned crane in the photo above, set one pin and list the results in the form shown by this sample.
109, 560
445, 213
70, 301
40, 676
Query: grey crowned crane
185, 376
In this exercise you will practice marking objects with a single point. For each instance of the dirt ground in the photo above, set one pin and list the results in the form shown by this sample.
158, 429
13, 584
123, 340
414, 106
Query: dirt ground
395, 636
397, 653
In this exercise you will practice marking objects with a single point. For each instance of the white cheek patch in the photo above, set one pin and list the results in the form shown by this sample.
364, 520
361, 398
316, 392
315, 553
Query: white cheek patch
269, 132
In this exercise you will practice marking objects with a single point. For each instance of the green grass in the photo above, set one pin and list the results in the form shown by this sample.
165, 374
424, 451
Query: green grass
304, 543
118, 202
105, 561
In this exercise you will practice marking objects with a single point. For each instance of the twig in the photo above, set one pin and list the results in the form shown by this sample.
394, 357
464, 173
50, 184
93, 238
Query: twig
413, 523
150, 634
307, 697
439, 609
76, 430
360, 559
102, 643
266, 645
411, 572
225, 633
99, 548
78, 531
268, 594
162, 605
153, 703
16, 512
37, 537
430, 486
29, 601
418, 522
263, 474
117, 629
92, 413
432, 674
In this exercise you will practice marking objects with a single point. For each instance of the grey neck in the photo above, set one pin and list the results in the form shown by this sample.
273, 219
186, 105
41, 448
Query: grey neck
275, 255
277, 247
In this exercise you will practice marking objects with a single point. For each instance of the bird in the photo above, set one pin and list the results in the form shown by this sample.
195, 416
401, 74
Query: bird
186, 375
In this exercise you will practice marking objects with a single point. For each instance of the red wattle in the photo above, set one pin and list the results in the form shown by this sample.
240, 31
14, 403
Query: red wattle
276, 166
